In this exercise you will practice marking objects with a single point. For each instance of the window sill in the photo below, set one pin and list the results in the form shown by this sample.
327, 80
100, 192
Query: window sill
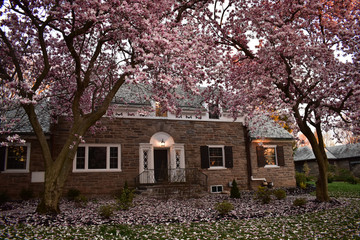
217, 168
272, 166
16, 171
96, 170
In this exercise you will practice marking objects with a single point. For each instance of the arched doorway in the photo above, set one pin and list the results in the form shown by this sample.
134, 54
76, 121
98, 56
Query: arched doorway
161, 160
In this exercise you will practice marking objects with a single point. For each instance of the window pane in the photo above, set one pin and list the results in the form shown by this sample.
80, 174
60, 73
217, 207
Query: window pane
16, 158
97, 157
214, 111
113, 157
216, 157
160, 111
269, 154
80, 158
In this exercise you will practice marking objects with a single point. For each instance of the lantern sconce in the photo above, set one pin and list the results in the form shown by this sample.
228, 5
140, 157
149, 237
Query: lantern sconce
162, 143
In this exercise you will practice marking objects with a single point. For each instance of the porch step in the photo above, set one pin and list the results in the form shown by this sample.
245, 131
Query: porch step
182, 190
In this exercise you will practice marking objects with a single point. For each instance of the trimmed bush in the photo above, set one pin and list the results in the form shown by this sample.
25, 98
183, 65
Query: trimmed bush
4, 197
300, 202
263, 194
26, 194
224, 207
106, 211
81, 200
279, 194
300, 179
234, 192
72, 194
126, 197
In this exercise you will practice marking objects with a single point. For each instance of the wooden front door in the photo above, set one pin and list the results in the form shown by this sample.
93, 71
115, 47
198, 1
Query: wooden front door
161, 165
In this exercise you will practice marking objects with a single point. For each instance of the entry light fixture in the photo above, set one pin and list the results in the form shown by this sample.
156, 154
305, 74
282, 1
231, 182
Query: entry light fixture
162, 143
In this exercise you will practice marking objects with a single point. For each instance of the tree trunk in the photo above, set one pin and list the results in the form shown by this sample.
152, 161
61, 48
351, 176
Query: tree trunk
53, 188
322, 194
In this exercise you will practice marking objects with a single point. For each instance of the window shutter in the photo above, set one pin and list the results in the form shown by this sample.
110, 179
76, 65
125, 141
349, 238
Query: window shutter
228, 157
2, 158
260, 156
204, 152
280, 155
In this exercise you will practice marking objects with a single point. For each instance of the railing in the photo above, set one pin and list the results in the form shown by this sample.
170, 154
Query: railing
177, 175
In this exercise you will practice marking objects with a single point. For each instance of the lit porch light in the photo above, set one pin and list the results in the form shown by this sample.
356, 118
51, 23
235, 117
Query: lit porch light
162, 143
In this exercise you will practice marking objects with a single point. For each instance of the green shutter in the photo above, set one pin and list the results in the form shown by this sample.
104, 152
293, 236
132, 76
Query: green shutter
204, 152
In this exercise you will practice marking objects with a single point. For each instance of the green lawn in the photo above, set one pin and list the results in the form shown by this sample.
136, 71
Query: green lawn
343, 189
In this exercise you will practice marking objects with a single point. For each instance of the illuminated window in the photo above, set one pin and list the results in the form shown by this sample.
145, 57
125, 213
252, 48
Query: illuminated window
270, 156
160, 110
15, 158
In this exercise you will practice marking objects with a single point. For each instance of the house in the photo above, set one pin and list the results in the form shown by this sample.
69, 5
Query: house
343, 156
152, 147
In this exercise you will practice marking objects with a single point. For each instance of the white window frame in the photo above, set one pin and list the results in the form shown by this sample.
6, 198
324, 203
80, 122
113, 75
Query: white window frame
276, 160
107, 169
217, 187
26, 170
223, 157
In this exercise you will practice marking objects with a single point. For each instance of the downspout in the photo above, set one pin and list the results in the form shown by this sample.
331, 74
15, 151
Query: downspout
248, 156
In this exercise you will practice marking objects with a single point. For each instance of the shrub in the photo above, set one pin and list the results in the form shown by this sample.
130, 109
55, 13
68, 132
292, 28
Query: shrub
125, 199
234, 192
263, 194
352, 179
279, 194
299, 202
106, 211
224, 207
331, 177
4, 197
72, 194
306, 169
300, 179
81, 200
26, 194
303, 185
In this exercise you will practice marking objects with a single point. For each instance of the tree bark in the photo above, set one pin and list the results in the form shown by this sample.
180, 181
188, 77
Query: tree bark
318, 148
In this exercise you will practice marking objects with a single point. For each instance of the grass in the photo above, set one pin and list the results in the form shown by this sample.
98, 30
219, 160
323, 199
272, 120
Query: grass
342, 223
342, 189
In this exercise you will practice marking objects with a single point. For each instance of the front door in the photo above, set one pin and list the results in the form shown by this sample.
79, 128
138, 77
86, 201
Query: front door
161, 165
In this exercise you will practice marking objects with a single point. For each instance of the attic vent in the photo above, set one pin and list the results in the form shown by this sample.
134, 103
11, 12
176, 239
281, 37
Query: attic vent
216, 188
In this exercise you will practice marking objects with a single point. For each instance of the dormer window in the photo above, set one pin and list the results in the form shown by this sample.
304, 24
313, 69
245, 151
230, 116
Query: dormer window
160, 111
214, 111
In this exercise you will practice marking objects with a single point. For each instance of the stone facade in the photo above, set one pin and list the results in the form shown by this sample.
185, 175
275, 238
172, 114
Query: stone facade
131, 132
280, 176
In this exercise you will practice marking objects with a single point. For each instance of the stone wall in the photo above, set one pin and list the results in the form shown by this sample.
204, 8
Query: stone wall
281, 176
131, 132
13, 183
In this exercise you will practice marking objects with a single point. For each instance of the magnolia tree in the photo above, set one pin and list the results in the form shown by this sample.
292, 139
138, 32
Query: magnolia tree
75, 55
305, 64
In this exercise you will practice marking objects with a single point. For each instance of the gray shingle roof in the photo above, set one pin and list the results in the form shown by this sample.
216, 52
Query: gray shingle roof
130, 94
306, 153
345, 151
22, 124
262, 127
